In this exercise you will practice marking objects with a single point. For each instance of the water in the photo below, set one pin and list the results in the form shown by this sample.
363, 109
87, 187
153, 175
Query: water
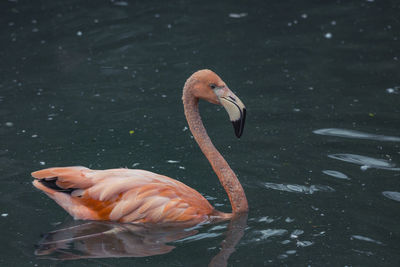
99, 84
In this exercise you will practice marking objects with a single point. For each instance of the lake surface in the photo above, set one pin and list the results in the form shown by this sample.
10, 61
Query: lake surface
99, 84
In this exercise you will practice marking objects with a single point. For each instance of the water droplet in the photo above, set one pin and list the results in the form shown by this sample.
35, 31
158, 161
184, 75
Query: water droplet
394, 90
289, 220
364, 167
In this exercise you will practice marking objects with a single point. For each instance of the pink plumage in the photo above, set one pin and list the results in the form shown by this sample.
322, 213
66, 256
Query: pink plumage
123, 195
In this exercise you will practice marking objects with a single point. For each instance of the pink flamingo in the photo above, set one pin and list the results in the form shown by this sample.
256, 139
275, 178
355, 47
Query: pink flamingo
139, 196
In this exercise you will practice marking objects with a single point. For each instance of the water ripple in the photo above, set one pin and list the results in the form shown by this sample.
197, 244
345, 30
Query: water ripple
304, 243
367, 239
355, 134
295, 188
198, 237
392, 195
365, 162
336, 174
265, 234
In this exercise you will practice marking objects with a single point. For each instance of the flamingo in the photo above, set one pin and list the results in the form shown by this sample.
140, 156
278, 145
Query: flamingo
143, 197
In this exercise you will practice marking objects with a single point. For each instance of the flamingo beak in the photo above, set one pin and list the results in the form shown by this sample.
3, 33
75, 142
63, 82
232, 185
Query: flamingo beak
236, 110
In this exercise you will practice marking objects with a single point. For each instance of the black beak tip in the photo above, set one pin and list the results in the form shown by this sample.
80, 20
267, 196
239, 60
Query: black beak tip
238, 125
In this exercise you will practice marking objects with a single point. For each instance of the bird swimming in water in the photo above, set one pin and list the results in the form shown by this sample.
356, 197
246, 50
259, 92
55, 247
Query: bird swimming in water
139, 196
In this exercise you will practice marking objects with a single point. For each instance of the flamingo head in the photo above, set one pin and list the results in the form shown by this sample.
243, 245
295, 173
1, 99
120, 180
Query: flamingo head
207, 85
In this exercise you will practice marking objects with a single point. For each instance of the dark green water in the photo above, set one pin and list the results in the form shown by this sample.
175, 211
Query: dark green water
319, 158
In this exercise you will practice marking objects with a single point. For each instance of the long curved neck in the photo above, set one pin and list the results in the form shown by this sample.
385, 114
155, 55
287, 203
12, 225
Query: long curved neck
225, 174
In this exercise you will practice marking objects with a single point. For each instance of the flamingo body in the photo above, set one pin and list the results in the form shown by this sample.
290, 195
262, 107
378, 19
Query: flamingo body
124, 195
138, 196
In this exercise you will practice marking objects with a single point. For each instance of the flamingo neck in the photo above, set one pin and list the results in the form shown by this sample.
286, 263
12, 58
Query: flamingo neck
224, 172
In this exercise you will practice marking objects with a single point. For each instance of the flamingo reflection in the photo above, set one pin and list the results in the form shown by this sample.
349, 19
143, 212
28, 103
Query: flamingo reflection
101, 239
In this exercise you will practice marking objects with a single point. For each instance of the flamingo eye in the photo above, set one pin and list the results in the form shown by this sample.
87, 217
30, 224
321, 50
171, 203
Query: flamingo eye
213, 86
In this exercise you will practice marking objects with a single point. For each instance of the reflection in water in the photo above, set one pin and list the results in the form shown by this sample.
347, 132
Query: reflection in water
295, 188
235, 232
366, 162
99, 239
355, 134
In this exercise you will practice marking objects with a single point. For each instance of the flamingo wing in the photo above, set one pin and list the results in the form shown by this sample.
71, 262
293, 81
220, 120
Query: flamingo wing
122, 195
